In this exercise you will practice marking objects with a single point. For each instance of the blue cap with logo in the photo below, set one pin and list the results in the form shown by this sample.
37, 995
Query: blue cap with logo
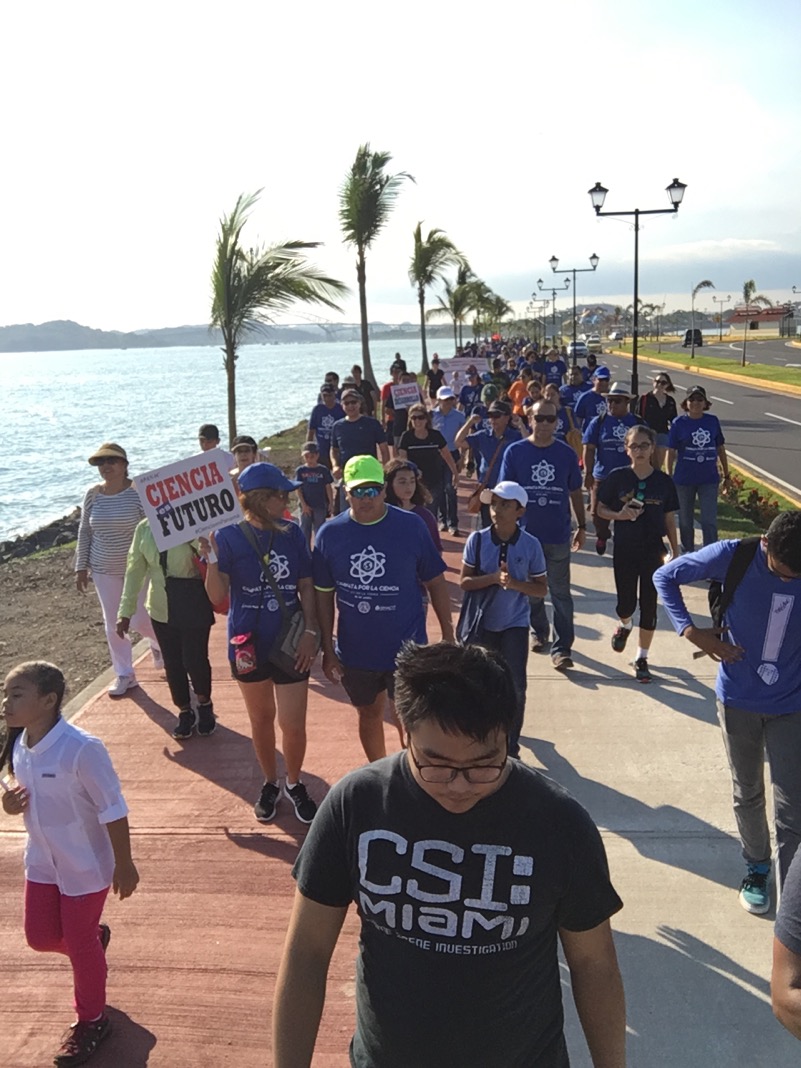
265, 476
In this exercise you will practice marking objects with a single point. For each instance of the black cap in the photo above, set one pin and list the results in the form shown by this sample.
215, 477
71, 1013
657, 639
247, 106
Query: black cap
696, 391
327, 388
501, 407
209, 431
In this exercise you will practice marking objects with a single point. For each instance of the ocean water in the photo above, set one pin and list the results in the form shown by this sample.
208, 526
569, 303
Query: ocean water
58, 407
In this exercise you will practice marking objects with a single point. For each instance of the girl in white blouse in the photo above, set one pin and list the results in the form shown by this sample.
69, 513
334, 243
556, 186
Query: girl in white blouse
78, 843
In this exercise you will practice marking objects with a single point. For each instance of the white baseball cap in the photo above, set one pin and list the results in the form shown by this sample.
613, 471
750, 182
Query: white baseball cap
445, 393
508, 491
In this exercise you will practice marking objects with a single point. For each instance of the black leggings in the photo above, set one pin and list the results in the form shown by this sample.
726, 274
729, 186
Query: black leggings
634, 568
185, 652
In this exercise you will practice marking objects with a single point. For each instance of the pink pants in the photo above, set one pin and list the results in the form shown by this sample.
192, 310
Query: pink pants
55, 923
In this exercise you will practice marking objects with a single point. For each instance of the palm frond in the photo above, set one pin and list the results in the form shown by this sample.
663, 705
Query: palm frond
706, 284
367, 196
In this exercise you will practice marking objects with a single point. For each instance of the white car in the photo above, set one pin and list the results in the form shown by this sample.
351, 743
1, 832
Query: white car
579, 348
617, 335
594, 343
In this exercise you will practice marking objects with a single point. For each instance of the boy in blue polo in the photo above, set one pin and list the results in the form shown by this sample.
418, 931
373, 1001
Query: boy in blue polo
509, 563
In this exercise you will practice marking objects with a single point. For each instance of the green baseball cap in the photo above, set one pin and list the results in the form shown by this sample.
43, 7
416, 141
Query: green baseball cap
359, 470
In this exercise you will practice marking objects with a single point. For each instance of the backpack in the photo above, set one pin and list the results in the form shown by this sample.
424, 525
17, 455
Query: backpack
721, 594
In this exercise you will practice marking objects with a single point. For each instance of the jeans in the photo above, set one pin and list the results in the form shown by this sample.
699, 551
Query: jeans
185, 652
313, 522
444, 504
557, 562
512, 644
56, 923
748, 736
708, 501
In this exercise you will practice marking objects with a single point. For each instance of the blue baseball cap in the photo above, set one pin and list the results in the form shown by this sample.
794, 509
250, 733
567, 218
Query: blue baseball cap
601, 372
265, 476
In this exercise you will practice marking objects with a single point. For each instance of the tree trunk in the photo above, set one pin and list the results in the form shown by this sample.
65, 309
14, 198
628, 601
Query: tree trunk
421, 297
361, 277
455, 340
230, 374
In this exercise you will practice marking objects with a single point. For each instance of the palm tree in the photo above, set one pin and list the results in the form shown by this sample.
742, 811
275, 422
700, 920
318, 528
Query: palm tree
248, 285
431, 256
366, 200
706, 284
750, 295
453, 304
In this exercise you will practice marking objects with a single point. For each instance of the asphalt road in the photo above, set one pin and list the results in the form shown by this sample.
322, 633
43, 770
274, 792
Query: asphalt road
762, 429
777, 353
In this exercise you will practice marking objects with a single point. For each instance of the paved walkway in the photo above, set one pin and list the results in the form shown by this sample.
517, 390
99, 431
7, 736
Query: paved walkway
194, 952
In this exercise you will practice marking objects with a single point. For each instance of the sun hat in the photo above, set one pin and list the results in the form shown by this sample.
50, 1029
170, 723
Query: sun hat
508, 491
243, 439
265, 476
617, 389
108, 450
445, 393
360, 470
601, 372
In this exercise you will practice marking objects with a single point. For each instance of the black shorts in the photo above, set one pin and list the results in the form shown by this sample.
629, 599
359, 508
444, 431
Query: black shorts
363, 687
264, 672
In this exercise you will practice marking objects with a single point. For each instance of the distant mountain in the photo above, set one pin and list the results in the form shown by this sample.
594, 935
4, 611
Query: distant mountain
64, 335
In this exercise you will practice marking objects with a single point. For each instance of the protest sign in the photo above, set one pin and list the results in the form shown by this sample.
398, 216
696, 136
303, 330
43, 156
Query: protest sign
405, 395
456, 371
188, 498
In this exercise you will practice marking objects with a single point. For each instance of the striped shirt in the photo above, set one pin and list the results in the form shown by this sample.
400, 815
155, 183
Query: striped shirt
107, 529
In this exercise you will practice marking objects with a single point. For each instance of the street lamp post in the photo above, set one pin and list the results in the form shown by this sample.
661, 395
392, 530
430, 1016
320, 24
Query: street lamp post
554, 262
597, 195
723, 301
537, 305
541, 285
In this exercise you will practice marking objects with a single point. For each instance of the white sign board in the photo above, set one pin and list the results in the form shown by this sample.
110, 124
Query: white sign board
456, 371
405, 395
189, 498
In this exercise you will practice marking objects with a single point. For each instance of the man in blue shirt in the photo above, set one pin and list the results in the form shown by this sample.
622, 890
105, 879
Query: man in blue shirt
758, 687
593, 401
488, 444
322, 419
549, 472
569, 394
448, 420
470, 394
604, 451
375, 559
355, 435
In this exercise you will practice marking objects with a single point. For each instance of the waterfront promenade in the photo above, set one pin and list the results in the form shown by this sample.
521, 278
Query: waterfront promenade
194, 952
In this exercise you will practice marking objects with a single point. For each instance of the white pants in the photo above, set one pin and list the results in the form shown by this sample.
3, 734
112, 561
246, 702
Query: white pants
109, 590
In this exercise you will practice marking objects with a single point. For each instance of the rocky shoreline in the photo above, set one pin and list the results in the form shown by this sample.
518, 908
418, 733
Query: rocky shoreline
59, 532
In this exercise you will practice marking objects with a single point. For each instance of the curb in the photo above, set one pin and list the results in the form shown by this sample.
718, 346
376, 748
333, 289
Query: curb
723, 376
770, 482
89, 694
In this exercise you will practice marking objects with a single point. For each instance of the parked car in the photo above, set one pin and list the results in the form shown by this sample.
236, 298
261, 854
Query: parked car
594, 343
688, 339
578, 349
617, 335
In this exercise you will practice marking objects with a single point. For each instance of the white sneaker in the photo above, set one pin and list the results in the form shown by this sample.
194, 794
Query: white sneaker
158, 659
121, 685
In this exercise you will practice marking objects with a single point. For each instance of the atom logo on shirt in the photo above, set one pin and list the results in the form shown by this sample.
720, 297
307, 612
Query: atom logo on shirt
367, 565
279, 565
700, 438
619, 431
542, 473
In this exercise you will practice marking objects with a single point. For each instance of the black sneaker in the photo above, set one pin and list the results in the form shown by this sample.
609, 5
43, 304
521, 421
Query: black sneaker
104, 935
641, 672
305, 808
185, 725
600, 546
265, 807
80, 1042
206, 720
619, 638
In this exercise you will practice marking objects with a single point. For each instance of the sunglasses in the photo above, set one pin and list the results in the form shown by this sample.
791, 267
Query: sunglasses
109, 460
365, 492
661, 382
349, 403
416, 418
544, 418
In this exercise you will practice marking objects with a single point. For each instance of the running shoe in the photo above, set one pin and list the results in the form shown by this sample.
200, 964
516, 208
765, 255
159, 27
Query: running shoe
561, 661
121, 685
305, 808
641, 672
600, 546
81, 1041
265, 807
185, 725
206, 720
619, 638
755, 889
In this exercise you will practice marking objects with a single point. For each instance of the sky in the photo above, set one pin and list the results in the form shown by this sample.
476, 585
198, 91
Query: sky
131, 129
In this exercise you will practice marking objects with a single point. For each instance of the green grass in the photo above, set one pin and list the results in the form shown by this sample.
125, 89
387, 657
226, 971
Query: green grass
53, 549
790, 376
285, 446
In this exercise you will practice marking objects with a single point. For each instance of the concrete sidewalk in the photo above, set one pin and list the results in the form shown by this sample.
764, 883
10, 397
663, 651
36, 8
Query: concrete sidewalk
194, 952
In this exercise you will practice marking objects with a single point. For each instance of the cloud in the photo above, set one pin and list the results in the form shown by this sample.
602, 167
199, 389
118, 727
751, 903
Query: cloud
728, 248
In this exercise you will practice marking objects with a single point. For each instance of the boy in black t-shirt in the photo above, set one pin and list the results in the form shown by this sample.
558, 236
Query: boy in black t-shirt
464, 865
316, 491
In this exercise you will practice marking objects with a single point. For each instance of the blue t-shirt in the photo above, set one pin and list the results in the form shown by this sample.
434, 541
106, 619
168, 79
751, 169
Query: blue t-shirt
469, 397
696, 443
555, 372
376, 570
524, 560
448, 425
588, 405
548, 475
357, 438
608, 434
314, 480
321, 421
484, 443
570, 394
254, 609
764, 619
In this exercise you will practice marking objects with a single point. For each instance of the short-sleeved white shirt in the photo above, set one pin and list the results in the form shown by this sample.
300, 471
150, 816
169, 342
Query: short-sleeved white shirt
73, 792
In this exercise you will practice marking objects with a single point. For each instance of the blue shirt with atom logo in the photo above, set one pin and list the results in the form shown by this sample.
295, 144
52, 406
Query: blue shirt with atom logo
376, 570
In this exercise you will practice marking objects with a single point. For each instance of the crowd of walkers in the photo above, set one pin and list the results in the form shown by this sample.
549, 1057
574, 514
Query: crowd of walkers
350, 574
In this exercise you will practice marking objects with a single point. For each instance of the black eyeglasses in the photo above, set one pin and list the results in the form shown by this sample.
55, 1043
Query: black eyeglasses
476, 774
639, 445
416, 417
544, 418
